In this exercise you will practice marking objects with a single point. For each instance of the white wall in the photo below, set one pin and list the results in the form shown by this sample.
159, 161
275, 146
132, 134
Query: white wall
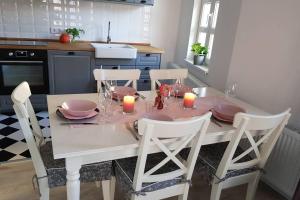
265, 61
225, 34
184, 32
165, 17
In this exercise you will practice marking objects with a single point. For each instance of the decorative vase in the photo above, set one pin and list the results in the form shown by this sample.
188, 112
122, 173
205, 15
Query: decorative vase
199, 59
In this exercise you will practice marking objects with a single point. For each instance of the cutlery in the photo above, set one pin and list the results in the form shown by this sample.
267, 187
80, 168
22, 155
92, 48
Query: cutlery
140, 95
132, 131
79, 123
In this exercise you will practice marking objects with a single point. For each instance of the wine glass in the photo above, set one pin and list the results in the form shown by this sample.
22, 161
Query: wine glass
231, 89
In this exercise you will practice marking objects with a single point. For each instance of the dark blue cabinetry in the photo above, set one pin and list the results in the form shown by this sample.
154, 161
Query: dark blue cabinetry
133, 2
144, 62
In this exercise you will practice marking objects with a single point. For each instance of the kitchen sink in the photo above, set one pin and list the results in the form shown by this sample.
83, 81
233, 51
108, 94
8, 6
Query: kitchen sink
118, 51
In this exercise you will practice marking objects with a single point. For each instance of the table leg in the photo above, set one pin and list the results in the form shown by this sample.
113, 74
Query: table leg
73, 166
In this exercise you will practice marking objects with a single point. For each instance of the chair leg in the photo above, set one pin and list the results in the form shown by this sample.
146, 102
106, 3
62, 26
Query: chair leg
106, 189
184, 196
112, 187
216, 191
252, 186
44, 189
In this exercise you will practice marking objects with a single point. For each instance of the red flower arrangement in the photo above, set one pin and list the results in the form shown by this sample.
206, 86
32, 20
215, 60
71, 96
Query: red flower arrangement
165, 90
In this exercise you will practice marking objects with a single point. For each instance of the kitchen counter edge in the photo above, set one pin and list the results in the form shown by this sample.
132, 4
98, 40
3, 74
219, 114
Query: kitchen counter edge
79, 46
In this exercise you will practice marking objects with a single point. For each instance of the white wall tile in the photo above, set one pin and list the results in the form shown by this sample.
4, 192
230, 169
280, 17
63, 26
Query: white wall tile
36, 17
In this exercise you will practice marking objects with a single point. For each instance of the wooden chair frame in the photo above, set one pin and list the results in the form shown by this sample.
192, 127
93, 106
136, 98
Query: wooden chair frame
102, 76
166, 74
182, 133
270, 128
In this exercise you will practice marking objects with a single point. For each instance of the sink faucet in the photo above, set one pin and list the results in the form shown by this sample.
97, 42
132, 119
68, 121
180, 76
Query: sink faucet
108, 41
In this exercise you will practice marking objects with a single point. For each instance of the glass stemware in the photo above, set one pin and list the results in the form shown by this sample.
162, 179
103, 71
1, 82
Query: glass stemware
231, 89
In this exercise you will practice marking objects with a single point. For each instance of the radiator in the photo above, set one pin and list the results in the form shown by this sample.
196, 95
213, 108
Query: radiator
283, 166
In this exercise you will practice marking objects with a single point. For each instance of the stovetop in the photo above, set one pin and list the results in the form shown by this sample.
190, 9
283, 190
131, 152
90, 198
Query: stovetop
23, 43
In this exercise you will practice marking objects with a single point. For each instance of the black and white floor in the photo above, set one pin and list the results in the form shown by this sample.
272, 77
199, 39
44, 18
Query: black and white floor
12, 143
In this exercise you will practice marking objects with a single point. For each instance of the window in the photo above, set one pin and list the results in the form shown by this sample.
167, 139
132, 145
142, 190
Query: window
203, 25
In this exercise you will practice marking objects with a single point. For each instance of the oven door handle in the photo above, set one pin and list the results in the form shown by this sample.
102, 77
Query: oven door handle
24, 61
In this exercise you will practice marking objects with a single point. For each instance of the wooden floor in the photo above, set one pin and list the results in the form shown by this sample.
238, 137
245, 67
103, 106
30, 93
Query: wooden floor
15, 184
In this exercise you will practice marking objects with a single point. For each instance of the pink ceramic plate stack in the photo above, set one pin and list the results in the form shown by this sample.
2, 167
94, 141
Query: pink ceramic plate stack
78, 109
226, 112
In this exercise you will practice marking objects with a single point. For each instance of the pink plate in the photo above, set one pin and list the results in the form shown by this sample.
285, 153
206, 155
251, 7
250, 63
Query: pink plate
181, 90
67, 116
79, 108
227, 111
121, 91
218, 117
159, 117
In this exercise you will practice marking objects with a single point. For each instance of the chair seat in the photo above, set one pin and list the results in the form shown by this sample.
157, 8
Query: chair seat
125, 168
56, 169
210, 157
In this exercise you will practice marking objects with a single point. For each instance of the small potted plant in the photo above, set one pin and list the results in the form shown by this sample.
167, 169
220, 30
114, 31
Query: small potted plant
74, 32
200, 53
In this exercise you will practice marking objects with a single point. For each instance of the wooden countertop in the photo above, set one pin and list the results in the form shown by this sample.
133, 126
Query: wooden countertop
79, 46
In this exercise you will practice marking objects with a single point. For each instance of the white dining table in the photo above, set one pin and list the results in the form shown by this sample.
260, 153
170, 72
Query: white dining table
110, 141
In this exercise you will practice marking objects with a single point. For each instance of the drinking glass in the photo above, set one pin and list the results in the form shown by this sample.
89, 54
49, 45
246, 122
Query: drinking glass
231, 89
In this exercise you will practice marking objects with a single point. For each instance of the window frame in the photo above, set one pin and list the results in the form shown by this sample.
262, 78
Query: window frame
209, 30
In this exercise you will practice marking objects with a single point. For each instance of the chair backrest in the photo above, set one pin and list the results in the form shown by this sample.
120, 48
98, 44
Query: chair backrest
268, 130
26, 116
102, 76
166, 74
181, 133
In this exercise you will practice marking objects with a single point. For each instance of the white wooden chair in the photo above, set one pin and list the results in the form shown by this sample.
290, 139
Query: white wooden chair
239, 166
166, 74
162, 175
49, 172
129, 75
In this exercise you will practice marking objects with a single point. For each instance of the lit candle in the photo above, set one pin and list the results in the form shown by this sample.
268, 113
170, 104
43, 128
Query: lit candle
189, 99
128, 104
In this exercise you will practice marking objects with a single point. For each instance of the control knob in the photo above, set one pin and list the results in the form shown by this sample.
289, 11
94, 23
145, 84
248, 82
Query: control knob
10, 54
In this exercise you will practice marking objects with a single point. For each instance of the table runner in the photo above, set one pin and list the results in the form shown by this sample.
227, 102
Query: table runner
173, 107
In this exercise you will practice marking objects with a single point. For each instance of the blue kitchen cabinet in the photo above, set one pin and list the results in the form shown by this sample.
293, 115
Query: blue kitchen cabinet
132, 2
70, 72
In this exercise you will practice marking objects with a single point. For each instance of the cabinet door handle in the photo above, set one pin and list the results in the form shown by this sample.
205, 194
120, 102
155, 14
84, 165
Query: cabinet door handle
71, 53
148, 55
143, 1
115, 67
147, 68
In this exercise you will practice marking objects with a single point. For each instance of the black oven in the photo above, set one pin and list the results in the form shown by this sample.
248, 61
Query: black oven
17, 66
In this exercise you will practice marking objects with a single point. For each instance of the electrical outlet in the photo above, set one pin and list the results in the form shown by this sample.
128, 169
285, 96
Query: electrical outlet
56, 30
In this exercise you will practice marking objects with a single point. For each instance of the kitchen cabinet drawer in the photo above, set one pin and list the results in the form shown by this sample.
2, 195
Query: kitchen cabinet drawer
116, 62
145, 71
144, 85
116, 67
145, 2
132, 2
148, 59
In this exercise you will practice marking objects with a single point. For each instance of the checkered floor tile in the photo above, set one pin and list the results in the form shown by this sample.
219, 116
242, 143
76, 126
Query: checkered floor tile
12, 143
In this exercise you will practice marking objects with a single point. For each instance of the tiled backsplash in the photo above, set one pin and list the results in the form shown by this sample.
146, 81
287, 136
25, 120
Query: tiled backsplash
43, 18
